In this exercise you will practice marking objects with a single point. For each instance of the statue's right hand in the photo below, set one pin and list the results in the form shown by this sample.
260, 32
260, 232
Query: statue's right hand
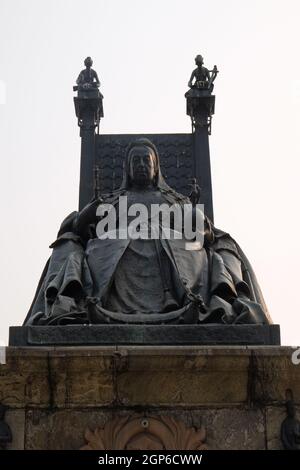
87, 216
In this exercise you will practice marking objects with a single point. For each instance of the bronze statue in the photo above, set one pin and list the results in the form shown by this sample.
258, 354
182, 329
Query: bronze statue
88, 82
88, 97
88, 78
90, 280
202, 78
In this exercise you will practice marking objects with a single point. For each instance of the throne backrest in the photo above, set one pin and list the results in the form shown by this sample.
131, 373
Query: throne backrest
175, 151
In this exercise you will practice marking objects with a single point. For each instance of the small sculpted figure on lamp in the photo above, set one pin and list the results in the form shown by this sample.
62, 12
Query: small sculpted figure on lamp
88, 78
202, 78
89, 99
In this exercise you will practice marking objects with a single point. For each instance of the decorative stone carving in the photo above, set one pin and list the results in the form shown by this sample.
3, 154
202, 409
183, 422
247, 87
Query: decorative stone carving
145, 433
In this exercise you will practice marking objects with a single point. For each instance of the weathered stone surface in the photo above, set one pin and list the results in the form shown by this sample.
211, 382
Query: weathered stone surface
225, 428
274, 374
274, 418
236, 393
100, 376
60, 430
182, 376
47, 377
16, 420
234, 429
82, 379
24, 378
171, 388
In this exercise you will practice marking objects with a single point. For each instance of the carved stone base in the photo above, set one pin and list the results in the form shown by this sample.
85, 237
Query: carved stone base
140, 432
148, 397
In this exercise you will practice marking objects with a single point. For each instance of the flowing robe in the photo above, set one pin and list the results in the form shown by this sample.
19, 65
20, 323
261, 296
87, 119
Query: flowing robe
90, 280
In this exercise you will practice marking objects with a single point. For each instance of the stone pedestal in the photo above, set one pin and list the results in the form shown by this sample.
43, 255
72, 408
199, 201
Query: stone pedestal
153, 396
150, 335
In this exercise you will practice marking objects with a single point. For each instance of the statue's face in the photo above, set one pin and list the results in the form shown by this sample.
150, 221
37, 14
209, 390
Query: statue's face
142, 167
199, 60
88, 62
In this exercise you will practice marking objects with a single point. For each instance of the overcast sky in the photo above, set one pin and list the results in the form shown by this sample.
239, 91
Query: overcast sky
144, 53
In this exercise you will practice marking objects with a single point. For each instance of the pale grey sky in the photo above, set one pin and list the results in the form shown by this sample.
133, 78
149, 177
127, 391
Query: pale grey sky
144, 53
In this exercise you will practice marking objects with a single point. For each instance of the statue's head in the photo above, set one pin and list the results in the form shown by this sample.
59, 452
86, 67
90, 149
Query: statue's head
88, 62
142, 163
142, 168
199, 60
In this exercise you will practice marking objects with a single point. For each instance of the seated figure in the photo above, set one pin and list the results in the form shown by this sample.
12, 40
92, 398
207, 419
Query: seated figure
200, 76
93, 278
88, 82
201, 82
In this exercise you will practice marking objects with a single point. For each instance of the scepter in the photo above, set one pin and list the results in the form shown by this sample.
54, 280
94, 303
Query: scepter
214, 72
97, 182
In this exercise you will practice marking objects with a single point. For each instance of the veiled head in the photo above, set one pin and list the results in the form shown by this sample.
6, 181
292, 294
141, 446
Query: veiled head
142, 164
